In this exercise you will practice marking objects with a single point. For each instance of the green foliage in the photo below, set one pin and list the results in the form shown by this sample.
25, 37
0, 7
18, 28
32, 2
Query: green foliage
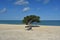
34, 18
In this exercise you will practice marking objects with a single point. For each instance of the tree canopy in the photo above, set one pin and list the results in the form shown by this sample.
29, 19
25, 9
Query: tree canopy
31, 19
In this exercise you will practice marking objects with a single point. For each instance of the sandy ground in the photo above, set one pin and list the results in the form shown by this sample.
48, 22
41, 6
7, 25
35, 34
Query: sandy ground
18, 32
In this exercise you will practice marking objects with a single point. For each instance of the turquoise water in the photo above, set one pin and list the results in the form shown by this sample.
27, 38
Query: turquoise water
43, 22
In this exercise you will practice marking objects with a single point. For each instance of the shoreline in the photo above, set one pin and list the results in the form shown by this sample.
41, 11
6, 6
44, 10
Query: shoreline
22, 26
25, 24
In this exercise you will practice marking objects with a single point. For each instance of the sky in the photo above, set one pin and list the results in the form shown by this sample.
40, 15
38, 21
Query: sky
18, 9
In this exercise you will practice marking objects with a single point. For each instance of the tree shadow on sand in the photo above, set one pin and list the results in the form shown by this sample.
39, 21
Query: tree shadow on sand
30, 27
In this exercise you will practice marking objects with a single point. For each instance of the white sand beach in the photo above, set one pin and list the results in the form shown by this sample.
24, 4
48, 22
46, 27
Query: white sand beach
18, 32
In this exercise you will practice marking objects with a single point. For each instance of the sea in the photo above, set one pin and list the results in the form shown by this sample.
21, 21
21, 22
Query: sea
42, 22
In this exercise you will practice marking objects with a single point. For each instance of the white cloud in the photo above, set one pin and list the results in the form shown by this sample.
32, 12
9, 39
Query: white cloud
46, 1
26, 9
3, 10
21, 2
